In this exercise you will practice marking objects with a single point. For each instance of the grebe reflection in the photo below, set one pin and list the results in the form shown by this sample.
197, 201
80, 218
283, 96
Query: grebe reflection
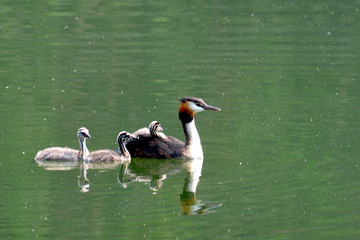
83, 181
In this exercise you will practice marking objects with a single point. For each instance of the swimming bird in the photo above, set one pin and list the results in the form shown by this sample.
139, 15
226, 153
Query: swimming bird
65, 153
170, 147
108, 155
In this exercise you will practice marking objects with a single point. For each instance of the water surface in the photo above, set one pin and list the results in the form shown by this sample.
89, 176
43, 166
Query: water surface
280, 159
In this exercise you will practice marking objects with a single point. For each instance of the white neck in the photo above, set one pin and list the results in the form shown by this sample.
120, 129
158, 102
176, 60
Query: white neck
84, 152
122, 150
193, 142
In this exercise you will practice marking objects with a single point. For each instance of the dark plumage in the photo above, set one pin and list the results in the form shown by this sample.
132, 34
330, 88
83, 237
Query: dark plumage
150, 147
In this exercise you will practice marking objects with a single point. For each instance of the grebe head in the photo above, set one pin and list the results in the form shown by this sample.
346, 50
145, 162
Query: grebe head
193, 105
155, 126
83, 133
124, 137
155, 130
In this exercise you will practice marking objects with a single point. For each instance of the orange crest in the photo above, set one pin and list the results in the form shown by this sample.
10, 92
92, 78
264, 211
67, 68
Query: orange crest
185, 108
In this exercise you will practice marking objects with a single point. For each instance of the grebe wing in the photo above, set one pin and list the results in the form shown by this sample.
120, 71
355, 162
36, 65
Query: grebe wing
176, 141
57, 153
150, 147
142, 132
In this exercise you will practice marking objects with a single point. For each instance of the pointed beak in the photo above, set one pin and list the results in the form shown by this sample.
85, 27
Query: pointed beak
132, 137
211, 108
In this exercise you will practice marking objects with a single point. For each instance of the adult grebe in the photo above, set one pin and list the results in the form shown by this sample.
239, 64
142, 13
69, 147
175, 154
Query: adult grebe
170, 147
108, 155
65, 153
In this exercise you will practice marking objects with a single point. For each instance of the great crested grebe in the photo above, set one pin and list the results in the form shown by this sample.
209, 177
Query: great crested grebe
170, 147
108, 155
65, 153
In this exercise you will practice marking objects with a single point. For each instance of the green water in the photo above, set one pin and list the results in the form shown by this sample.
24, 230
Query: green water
281, 160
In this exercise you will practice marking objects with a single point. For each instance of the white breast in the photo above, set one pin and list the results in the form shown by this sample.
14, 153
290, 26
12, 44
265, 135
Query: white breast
195, 148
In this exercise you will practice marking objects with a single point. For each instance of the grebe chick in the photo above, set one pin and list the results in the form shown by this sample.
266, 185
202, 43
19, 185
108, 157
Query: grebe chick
155, 130
150, 147
108, 155
148, 131
65, 153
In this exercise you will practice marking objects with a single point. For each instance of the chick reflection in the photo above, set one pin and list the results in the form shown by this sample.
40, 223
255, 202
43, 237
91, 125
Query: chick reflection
125, 177
84, 182
57, 165
150, 171
84, 166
